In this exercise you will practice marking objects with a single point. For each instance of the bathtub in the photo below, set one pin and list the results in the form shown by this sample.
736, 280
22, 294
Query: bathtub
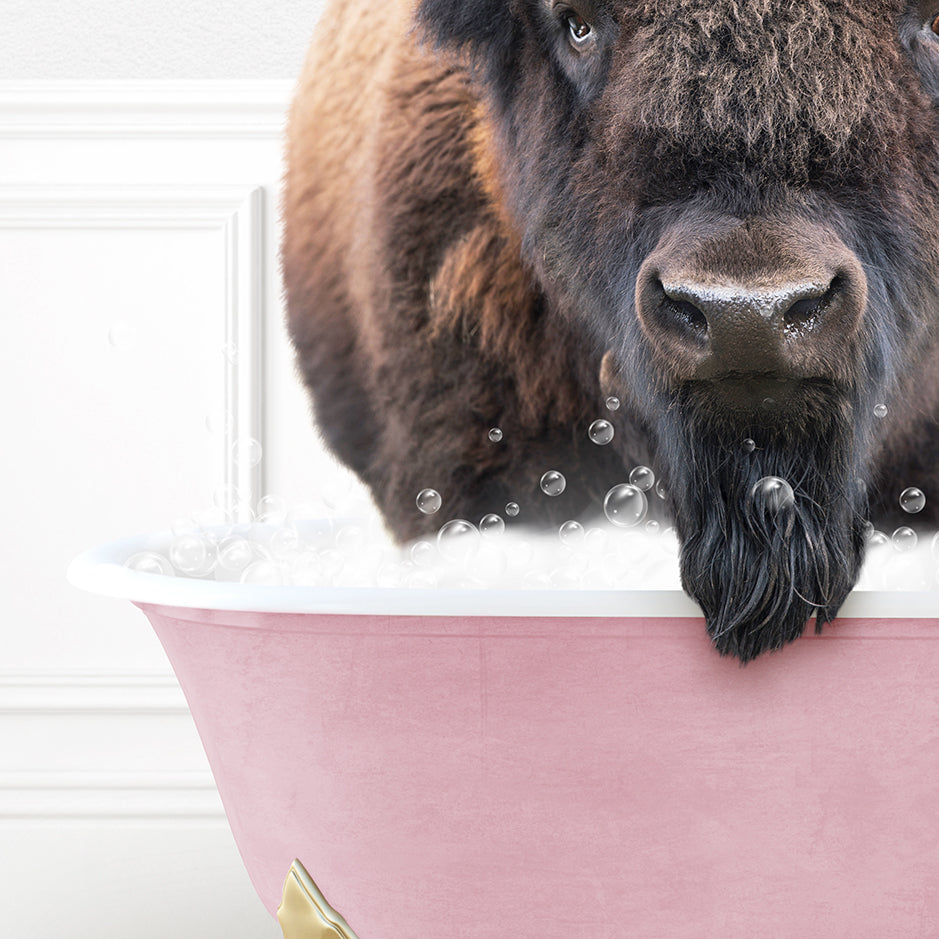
540, 764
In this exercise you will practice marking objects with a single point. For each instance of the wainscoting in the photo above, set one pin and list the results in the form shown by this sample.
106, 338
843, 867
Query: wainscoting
143, 339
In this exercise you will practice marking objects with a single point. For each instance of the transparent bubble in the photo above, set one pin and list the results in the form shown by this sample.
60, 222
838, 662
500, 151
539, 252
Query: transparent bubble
423, 553
652, 526
553, 483
642, 478
660, 490
912, 500
230, 351
285, 542
571, 533
189, 553
246, 451
305, 570
876, 539
458, 540
772, 494
491, 563
612, 403
226, 496
600, 432
880, 410
263, 571
272, 509
421, 579
769, 403
235, 554
748, 446
512, 509
597, 540
121, 336
331, 564
495, 434
429, 501
625, 505
491, 524
149, 562
934, 546
350, 538
904, 539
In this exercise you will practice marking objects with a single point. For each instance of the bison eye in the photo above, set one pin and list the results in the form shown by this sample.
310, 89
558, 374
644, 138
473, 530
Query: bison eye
580, 30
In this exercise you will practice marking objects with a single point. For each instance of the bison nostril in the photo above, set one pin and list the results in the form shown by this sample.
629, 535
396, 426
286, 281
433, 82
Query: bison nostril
689, 315
804, 311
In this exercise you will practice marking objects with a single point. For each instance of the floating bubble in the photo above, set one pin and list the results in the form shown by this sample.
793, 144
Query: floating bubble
350, 538
772, 494
511, 509
597, 540
904, 539
876, 539
230, 351
423, 553
625, 505
642, 478
880, 410
246, 451
331, 563
189, 553
748, 446
149, 562
227, 496
652, 526
284, 543
571, 533
219, 422
429, 501
660, 490
612, 403
495, 434
553, 483
491, 524
912, 500
600, 432
458, 540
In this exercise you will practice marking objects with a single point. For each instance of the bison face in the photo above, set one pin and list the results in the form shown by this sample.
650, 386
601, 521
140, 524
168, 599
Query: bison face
737, 202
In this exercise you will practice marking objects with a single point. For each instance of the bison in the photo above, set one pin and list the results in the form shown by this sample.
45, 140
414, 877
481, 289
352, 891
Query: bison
724, 212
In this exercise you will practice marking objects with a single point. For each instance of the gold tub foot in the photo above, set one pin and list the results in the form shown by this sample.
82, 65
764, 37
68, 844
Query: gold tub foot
304, 913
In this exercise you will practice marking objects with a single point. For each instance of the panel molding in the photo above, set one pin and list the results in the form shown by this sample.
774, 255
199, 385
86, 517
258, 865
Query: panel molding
237, 212
244, 109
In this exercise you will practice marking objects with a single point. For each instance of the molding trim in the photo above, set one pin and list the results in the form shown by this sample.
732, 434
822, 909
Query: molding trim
238, 213
33, 694
144, 109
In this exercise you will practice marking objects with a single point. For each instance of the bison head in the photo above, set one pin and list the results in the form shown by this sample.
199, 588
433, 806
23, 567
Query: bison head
737, 203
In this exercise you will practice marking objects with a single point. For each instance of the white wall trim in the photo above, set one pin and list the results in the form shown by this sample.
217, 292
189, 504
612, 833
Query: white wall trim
237, 212
143, 109
24, 693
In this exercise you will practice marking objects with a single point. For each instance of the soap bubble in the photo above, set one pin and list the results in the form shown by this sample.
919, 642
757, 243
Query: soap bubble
491, 524
423, 553
284, 543
235, 553
597, 540
189, 553
421, 579
305, 570
600, 432
612, 403
876, 539
912, 500
511, 509
246, 451
571, 533
219, 422
272, 509
748, 446
495, 434
652, 526
458, 540
642, 478
625, 505
350, 538
230, 351
227, 495
660, 490
880, 410
429, 501
553, 483
264, 572
772, 494
904, 539
149, 562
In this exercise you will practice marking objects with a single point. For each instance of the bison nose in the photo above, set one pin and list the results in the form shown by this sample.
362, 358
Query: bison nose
797, 320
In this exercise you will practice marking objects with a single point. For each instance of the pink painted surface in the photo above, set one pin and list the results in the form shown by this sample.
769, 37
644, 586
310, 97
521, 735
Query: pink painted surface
468, 778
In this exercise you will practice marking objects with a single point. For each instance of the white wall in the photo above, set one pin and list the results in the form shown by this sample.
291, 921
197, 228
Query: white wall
138, 238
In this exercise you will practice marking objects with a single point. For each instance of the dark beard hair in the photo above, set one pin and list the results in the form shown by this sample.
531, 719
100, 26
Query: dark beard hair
759, 570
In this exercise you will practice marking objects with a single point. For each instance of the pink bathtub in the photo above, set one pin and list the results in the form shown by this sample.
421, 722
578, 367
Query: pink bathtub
549, 764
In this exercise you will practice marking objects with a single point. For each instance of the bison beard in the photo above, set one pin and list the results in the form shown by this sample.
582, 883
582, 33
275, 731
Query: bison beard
758, 573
